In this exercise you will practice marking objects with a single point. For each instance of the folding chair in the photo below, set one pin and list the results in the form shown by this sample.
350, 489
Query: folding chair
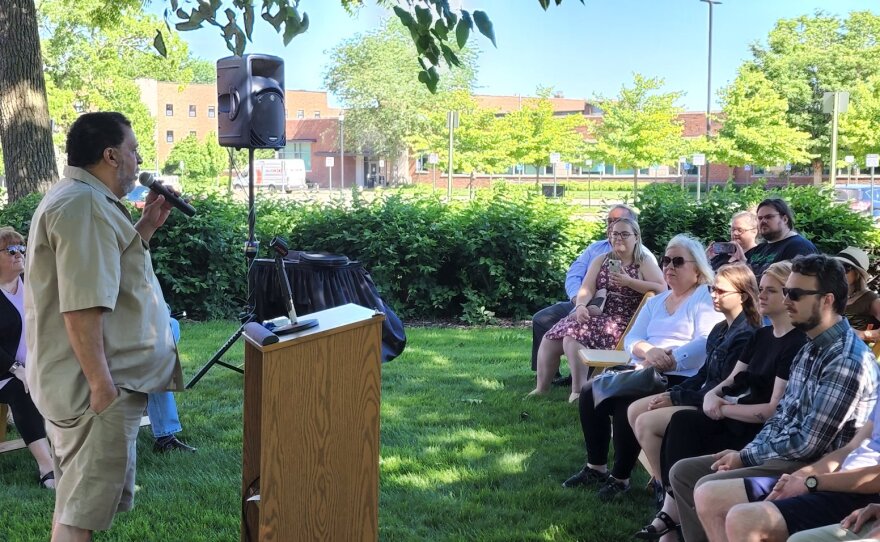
7, 445
602, 359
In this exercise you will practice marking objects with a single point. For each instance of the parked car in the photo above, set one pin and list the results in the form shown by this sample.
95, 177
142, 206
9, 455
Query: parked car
138, 196
858, 198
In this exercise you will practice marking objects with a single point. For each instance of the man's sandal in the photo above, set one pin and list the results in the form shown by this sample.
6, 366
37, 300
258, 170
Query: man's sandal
45, 478
649, 532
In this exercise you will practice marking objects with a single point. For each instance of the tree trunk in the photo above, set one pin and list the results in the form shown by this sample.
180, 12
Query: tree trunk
25, 129
635, 183
817, 171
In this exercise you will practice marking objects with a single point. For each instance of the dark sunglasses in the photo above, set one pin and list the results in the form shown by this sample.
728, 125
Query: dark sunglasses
676, 262
12, 249
795, 294
721, 292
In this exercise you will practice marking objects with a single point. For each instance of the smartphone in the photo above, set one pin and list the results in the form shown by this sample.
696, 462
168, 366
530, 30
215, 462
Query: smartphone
614, 266
723, 248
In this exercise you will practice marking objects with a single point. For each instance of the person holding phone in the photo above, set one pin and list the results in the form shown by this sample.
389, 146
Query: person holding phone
637, 274
743, 238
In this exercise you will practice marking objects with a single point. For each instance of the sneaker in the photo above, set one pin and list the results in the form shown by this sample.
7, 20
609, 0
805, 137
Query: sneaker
612, 489
586, 476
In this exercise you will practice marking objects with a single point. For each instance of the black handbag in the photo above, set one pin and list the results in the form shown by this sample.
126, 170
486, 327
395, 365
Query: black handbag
633, 383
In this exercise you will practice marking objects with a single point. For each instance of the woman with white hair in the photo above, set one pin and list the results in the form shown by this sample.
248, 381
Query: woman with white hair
670, 335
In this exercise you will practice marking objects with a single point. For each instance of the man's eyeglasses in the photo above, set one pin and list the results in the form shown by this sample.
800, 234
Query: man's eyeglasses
676, 262
624, 235
13, 249
795, 294
765, 218
740, 231
720, 292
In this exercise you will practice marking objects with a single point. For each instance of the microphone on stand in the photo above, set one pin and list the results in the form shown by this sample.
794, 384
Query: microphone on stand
146, 179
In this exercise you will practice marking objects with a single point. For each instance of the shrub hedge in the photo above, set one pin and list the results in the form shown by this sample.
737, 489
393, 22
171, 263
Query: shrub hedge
502, 254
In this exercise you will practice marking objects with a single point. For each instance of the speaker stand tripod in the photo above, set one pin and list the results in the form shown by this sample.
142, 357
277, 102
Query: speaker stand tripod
248, 316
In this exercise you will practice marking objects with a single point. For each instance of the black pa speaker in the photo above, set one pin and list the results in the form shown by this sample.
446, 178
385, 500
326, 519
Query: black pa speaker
250, 100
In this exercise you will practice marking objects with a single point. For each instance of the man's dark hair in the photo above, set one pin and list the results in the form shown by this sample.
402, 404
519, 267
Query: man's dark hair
781, 207
91, 134
829, 274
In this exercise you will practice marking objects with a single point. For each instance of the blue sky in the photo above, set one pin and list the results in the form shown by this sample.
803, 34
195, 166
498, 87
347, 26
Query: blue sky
580, 50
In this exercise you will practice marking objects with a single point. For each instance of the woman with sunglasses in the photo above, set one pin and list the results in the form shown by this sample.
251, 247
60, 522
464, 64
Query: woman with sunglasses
862, 305
670, 335
734, 410
13, 354
633, 273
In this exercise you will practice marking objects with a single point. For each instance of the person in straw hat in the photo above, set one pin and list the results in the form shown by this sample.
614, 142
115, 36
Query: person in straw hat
862, 305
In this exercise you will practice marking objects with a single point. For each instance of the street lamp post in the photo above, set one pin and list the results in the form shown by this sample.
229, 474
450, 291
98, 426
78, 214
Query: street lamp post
708, 86
341, 150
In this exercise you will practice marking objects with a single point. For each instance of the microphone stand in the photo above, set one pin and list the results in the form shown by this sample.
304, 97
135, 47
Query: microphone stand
295, 325
250, 253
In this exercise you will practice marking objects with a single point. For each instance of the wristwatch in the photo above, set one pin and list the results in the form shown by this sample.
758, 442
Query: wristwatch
812, 483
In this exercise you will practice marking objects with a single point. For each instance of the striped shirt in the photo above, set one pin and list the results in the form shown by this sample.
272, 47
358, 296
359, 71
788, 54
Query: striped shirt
830, 395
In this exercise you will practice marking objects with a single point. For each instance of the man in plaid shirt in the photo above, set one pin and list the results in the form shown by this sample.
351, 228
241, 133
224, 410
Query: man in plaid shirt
830, 396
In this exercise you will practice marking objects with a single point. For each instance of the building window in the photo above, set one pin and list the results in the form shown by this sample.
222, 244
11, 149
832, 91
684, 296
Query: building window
169, 110
298, 149
300, 114
317, 114
211, 112
193, 133
169, 136
192, 111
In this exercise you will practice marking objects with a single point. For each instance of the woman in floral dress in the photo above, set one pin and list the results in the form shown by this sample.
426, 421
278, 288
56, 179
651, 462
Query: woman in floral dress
622, 276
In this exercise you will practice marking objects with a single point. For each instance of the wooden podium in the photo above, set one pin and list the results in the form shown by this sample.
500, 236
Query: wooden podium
311, 431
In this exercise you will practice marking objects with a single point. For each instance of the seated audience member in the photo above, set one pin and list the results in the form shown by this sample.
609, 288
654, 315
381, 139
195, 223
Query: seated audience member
781, 242
618, 290
669, 334
736, 409
860, 525
13, 355
819, 494
862, 305
743, 232
734, 295
829, 397
162, 411
547, 317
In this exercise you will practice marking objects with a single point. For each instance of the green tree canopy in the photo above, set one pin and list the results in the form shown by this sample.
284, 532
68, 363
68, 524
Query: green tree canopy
535, 132
810, 55
755, 127
374, 75
860, 125
198, 163
639, 127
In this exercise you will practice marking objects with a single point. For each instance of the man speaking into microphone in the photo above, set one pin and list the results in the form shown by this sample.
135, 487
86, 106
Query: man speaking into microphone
98, 336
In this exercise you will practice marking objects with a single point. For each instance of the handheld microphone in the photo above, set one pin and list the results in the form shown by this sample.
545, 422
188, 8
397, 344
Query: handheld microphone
146, 179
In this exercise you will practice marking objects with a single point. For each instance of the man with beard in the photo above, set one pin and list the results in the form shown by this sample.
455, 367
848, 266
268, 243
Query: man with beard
829, 397
781, 242
99, 337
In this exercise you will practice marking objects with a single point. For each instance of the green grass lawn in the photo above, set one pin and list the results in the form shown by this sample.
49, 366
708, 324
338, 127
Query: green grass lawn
463, 456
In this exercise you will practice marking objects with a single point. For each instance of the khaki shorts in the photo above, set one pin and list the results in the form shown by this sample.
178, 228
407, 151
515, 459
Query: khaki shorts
95, 462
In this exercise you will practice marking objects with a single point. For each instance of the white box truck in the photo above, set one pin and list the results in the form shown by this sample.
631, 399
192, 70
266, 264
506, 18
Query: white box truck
287, 174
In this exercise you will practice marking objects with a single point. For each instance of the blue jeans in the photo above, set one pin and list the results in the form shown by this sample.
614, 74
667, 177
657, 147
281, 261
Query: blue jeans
161, 406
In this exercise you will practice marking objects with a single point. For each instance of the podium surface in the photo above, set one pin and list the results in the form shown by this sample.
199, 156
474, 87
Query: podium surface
311, 430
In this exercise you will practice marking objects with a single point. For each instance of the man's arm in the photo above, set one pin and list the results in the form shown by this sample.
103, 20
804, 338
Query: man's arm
834, 399
578, 270
85, 330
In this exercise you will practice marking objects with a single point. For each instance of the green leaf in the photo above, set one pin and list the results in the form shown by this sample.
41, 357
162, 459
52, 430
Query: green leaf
423, 17
462, 31
440, 30
484, 25
159, 44
544, 4
249, 20
449, 55
405, 17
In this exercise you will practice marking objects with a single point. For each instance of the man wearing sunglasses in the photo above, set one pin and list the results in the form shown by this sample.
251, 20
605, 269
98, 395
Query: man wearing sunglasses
547, 317
781, 242
829, 397
99, 335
